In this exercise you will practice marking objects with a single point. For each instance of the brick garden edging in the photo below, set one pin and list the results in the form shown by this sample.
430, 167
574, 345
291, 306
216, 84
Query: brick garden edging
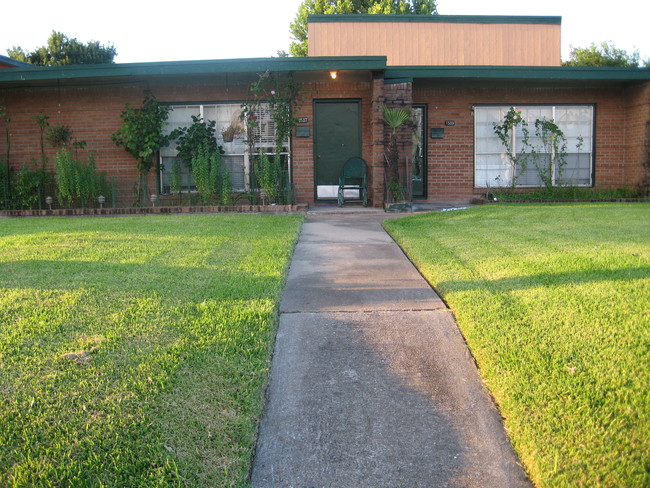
77, 212
482, 201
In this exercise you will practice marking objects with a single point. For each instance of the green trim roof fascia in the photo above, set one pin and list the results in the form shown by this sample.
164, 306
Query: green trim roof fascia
449, 19
518, 73
395, 81
249, 65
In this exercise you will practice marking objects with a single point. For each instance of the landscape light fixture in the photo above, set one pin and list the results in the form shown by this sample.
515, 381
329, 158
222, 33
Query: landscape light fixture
49, 201
101, 199
333, 74
154, 199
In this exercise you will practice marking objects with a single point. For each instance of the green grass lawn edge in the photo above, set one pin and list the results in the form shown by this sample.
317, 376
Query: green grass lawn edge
135, 351
553, 301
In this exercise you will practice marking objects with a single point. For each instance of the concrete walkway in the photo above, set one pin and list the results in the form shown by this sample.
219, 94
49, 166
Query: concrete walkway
371, 383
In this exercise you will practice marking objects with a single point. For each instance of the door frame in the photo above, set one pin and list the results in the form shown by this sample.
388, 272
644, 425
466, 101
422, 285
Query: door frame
425, 152
315, 103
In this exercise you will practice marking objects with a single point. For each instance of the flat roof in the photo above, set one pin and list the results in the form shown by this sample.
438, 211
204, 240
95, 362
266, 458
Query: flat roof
377, 64
450, 19
548, 73
248, 65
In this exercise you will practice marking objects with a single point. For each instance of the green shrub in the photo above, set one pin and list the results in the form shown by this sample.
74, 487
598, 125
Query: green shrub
78, 182
175, 178
192, 138
397, 191
29, 186
58, 135
6, 177
268, 171
205, 170
226, 186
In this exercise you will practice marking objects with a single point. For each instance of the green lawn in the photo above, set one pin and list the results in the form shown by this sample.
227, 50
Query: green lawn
554, 302
134, 351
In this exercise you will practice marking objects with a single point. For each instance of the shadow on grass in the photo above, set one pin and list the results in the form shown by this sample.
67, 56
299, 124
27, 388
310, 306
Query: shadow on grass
514, 283
170, 282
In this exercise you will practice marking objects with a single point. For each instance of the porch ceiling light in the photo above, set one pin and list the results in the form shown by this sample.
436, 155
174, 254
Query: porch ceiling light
333, 74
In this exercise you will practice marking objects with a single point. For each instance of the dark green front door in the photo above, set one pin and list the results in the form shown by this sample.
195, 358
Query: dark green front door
337, 138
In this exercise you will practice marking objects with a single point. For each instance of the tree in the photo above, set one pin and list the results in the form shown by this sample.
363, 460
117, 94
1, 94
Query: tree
298, 27
605, 55
61, 50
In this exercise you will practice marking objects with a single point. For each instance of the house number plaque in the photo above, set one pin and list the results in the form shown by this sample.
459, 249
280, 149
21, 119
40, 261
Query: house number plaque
450, 123
303, 120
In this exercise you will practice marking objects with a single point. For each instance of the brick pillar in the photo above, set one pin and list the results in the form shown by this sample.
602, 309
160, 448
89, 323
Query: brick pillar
376, 165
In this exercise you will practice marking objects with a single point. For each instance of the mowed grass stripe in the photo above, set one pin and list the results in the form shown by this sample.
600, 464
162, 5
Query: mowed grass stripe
134, 351
554, 301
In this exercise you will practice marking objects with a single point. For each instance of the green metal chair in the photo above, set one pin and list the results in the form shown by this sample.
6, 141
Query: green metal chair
354, 176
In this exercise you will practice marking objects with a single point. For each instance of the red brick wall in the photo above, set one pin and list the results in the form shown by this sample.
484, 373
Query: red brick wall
637, 136
93, 113
620, 115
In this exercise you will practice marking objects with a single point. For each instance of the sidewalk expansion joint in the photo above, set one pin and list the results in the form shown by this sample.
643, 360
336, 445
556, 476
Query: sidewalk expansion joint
378, 310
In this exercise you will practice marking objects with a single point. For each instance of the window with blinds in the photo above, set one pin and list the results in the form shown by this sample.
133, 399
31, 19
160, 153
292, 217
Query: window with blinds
491, 164
235, 149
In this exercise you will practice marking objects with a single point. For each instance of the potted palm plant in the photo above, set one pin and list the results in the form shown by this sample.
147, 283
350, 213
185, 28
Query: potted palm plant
394, 118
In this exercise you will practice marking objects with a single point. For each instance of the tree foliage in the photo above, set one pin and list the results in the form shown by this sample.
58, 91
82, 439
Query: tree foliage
298, 27
190, 139
62, 50
604, 55
141, 135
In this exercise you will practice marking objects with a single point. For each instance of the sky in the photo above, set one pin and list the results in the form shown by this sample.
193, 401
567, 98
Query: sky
144, 30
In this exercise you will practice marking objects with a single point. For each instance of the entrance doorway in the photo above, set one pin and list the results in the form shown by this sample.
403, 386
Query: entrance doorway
337, 138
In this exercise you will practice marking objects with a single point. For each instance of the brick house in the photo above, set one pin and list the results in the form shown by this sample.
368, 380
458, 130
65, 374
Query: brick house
459, 74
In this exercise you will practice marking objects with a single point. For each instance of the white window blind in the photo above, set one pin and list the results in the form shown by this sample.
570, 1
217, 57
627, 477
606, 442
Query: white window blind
235, 152
491, 164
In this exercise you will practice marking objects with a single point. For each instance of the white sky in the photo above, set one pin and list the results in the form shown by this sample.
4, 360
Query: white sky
144, 30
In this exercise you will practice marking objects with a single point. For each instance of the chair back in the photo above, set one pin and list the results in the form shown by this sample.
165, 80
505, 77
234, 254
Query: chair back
354, 169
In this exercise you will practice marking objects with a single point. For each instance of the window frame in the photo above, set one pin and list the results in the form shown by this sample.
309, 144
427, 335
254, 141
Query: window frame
267, 147
553, 107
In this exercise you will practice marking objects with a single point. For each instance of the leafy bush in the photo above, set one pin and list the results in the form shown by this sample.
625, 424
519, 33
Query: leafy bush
5, 185
76, 181
30, 185
205, 170
226, 186
175, 178
191, 139
267, 171
59, 135
141, 135
397, 191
